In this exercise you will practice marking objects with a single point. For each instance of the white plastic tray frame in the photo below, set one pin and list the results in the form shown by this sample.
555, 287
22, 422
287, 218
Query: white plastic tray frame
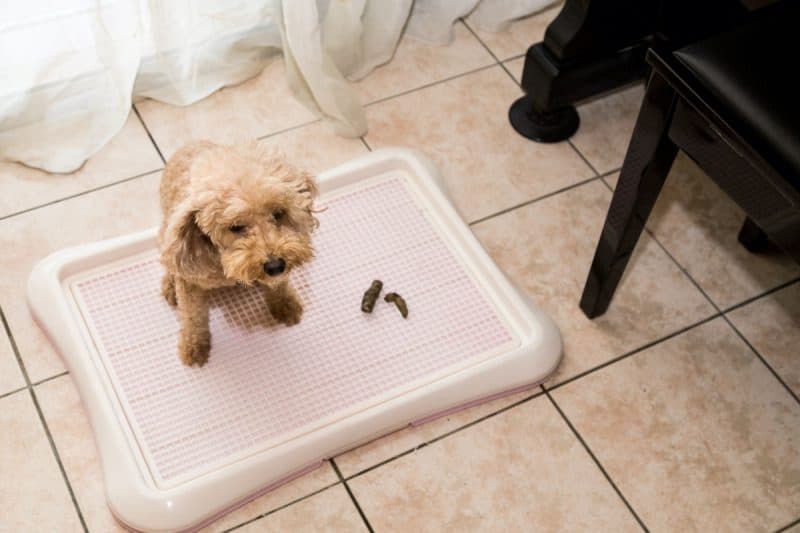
133, 495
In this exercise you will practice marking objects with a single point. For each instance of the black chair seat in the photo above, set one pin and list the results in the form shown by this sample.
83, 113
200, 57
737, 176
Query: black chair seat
751, 70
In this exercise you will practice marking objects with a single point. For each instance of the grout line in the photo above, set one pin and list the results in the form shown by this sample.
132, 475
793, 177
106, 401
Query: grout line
510, 75
389, 460
352, 496
147, 130
758, 354
722, 314
534, 200
519, 84
485, 46
504, 67
9, 393
580, 154
364, 141
261, 138
752, 299
281, 507
634, 351
730, 308
290, 128
58, 458
788, 526
497, 60
608, 173
596, 461
72, 196
512, 58
45, 380
428, 85
447, 434
35, 400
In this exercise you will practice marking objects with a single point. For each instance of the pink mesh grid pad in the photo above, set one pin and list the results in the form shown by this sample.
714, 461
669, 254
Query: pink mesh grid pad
264, 380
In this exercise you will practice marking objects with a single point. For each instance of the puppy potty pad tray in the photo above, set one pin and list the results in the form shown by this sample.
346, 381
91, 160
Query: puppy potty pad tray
181, 446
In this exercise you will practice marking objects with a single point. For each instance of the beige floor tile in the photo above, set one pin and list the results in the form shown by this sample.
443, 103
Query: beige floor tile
330, 510
316, 147
257, 107
547, 247
33, 495
772, 325
370, 454
416, 63
522, 470
10, 375
29, 237
73, 437
696, 432
462, 125
515, 67
699, 224
606, 128
128, 154
522, 34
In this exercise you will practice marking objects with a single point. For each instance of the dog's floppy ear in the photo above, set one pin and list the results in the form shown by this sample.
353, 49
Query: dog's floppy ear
306, 186
186, 250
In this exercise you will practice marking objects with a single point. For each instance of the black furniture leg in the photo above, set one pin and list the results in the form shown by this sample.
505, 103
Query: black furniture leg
752, 237
647, 163
590, 48
595, 46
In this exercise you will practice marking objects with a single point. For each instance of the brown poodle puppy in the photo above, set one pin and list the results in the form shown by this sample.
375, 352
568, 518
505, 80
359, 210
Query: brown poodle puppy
232, 215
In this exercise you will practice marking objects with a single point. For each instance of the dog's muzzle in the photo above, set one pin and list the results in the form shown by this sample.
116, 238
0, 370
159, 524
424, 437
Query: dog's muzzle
274, 266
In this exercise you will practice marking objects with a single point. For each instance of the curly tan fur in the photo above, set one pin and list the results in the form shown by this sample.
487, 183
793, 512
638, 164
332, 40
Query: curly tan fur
227, 211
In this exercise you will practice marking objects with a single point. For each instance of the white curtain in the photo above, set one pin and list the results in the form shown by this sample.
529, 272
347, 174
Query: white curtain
69, 69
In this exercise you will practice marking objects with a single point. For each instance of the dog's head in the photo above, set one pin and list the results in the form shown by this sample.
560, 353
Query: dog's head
249, 215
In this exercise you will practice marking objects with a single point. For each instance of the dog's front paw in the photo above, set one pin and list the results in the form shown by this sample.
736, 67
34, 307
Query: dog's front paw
195, 351
287, 310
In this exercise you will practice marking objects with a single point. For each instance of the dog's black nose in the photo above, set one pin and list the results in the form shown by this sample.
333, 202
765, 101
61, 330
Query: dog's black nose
274, 266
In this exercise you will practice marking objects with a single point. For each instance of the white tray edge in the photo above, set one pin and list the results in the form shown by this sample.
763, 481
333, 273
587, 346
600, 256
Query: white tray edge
141, 506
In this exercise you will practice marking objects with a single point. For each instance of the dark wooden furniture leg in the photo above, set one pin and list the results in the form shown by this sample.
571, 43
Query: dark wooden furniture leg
595, 46
752, 237
591, 47
647, 163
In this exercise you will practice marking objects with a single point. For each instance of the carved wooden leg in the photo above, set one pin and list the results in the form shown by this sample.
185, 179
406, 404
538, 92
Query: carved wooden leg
590, 48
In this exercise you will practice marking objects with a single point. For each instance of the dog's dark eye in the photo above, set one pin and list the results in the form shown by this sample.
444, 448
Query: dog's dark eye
278, 215
237, 228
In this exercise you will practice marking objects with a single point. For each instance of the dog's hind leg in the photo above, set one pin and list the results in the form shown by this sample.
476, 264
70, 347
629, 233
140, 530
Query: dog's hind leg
168, 289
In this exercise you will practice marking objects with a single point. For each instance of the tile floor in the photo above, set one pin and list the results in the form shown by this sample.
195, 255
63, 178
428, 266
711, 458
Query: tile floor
676, 411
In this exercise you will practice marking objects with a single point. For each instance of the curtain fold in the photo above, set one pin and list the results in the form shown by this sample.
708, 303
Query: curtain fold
69, 69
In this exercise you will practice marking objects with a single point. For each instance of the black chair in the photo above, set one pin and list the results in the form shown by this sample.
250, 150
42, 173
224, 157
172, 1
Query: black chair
732, 103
